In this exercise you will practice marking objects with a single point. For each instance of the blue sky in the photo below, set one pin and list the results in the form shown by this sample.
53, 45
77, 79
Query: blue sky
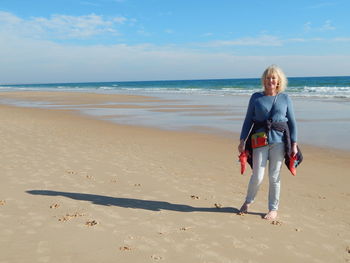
116, 40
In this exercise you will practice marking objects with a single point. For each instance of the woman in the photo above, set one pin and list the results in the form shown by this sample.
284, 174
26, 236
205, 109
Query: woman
268, 111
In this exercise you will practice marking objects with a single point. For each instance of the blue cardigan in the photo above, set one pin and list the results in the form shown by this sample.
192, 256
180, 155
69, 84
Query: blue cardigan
258, 111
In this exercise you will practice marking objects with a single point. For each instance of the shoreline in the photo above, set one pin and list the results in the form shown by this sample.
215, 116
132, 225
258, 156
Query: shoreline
81, 189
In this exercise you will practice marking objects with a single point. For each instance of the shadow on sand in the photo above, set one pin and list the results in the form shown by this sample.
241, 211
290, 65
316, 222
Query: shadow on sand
133, 203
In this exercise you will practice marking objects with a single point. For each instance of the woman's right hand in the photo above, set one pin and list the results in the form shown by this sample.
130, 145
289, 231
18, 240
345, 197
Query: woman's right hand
241, 146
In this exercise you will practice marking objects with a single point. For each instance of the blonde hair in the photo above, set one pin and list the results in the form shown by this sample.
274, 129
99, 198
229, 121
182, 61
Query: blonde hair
282, 79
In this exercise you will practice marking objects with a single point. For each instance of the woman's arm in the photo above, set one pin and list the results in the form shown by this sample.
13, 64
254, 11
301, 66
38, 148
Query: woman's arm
292, 125
247, 124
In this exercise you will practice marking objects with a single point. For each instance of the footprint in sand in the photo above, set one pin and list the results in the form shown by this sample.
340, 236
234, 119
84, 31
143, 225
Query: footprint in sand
68, 217
155, 257
91, 223
71, 172
218, 205
195, 197
276, 223
125, 248
185, 228
54, 206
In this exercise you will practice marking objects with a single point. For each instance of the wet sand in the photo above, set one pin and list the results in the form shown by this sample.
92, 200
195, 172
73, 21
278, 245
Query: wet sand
80, 189
321, 122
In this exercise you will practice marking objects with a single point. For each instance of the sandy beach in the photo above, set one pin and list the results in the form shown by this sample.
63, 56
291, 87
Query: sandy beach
75, 188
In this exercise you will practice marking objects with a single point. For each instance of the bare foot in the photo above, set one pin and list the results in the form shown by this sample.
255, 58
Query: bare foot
271, 215
244, 209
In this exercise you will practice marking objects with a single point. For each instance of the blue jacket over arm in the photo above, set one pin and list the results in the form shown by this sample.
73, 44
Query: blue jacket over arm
258, 111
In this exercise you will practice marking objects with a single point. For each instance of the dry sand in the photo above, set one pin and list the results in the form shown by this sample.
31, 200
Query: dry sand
78, 189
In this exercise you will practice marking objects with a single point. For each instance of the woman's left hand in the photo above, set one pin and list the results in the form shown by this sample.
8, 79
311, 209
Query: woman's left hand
294, 149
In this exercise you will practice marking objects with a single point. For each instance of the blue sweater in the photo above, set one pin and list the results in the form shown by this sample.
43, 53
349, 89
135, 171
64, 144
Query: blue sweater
258, 110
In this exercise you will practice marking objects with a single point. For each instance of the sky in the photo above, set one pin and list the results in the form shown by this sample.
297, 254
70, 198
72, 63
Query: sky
120, 40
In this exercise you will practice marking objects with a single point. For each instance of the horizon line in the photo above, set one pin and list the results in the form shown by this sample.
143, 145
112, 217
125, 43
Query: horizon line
159, 80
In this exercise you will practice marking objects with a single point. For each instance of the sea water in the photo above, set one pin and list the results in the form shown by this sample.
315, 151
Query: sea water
315, 87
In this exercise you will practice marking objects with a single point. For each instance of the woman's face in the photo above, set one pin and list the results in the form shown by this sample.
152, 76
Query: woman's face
271, 83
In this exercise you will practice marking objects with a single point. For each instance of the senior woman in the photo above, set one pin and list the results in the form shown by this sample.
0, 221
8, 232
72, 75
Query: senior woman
269, 126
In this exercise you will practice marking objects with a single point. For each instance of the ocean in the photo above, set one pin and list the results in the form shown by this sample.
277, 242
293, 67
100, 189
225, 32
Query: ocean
322, 105
315, 87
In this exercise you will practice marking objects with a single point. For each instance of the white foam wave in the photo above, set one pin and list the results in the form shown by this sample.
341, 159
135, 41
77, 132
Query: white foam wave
327, 89
106, 88
301, 91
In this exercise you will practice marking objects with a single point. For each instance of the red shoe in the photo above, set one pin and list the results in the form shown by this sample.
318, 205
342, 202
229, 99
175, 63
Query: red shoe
243, 160
293, 162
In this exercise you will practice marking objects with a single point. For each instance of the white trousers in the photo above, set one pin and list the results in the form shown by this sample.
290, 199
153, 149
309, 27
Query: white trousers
274, 153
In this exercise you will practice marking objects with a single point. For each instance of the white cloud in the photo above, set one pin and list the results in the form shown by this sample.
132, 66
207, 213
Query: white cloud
298, 40
264, 40
208, 34
143, 32
89, 3
307, 26
326, 26
63, 26
120, 19
168, 13
322, 5
7, 18
341, 39
318, 39
60, 26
